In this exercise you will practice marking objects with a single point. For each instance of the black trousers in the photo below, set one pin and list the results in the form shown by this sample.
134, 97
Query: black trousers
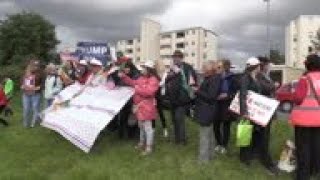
160, 108
308, 152
124, 128
5, 111
259, 147
222, 124
178, 115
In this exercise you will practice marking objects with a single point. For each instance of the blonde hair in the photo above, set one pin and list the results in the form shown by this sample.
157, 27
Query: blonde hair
211, 66
50, 67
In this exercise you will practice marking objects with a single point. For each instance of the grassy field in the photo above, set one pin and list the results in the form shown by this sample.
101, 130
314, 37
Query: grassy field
39, 153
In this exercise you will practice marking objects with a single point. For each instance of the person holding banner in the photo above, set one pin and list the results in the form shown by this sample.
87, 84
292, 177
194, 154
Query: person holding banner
53, 84
258, 145
97, 76
67, 73
144, 104
268, 88
125, 128
82, 72
306, 120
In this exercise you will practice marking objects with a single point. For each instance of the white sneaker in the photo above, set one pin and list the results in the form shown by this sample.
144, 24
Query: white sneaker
223, 150
147, 151
217, 148
165, 133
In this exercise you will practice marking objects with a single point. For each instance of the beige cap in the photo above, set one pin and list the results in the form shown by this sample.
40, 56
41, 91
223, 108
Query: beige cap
95, 62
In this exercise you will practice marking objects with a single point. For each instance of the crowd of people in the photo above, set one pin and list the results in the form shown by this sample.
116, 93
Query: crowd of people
206, 97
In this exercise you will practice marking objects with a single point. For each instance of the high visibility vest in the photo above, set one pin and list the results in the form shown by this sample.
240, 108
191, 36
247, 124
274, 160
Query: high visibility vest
308, 113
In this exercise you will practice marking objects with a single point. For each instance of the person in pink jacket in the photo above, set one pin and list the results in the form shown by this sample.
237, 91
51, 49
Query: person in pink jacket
144, 101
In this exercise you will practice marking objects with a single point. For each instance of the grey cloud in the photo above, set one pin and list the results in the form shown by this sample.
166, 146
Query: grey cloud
255, 44
112, 20
91, 21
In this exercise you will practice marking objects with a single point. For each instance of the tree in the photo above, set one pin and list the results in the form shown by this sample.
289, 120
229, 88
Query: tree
25, 34
276, 57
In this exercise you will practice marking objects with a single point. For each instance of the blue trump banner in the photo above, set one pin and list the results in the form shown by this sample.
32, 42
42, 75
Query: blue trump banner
89, 50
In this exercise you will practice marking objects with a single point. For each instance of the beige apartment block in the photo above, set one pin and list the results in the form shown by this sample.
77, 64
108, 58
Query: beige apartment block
299, 36
197, 43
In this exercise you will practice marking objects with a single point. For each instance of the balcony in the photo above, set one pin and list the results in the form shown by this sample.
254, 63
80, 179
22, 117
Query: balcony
180, 35
165, 41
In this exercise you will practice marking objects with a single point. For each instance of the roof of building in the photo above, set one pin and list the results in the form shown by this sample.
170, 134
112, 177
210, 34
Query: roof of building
190, 28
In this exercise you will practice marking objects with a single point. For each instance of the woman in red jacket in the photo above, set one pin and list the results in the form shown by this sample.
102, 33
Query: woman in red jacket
3, 104
306, 120
144, 102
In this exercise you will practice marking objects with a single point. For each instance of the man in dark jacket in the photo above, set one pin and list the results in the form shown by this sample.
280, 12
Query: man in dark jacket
222, 124
121, 121
178, 84
268, 89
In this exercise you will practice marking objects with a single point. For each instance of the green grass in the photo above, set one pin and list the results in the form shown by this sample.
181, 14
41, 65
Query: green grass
39, 153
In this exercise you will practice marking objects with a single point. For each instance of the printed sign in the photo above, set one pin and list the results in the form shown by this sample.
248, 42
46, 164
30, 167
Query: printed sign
84, 116
89, 50
260, 108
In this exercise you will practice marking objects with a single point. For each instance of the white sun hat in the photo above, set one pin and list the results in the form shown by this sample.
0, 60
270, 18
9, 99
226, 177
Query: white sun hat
96, 62
253, 61
83, 62
149, 64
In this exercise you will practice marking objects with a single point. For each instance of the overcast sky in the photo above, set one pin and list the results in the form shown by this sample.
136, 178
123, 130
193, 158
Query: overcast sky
240, 24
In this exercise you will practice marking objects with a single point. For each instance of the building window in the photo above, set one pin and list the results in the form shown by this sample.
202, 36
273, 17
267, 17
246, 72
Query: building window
165, 46
138, 49
138, 58
166, 36
205, 34
180, 45
295, 39
129, 51
205, 44
310, 35
130, 42
193, 54
193, 43
165, 56
180, 34
204, 55
193, 32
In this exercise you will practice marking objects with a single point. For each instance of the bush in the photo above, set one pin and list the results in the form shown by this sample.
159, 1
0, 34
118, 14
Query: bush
15, 72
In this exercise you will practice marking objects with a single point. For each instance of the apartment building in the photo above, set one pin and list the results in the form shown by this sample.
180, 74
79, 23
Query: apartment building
197, 43
299, 36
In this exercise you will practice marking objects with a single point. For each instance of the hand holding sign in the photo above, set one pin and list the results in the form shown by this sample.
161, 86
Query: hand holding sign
260, 108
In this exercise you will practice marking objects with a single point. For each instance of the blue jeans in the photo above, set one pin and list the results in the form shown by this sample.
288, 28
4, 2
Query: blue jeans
49, 102
31, 108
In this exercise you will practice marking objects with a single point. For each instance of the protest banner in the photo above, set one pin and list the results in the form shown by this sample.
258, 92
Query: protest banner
97, 50
260, 108
68, 56
83, 117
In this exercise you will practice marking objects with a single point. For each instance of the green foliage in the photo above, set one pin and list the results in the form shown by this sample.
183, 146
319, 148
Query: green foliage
39, 153
276, 57
26, 34
15, 72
